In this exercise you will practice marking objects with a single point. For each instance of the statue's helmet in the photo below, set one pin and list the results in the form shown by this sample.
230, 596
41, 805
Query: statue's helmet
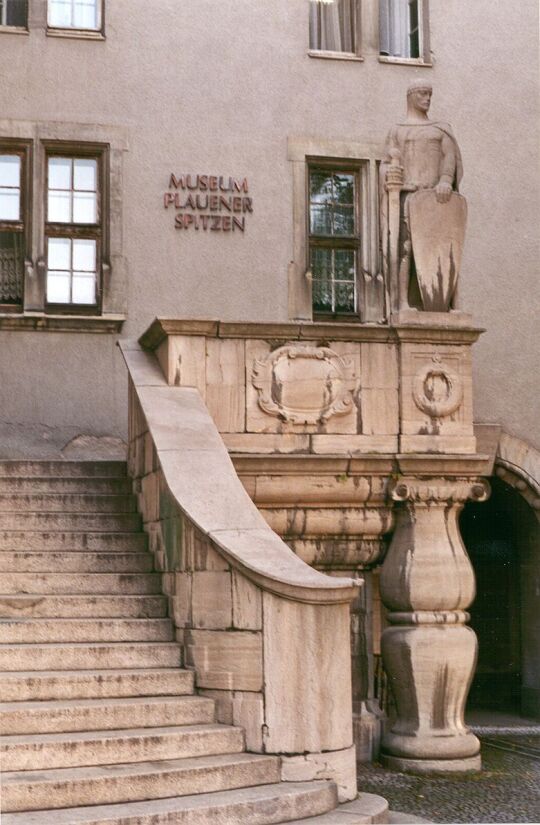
419, 86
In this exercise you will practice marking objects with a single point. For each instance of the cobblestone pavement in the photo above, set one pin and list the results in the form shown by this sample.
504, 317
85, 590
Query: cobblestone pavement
507, 789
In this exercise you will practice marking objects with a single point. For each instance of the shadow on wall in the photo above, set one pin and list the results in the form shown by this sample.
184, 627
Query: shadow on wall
502, 537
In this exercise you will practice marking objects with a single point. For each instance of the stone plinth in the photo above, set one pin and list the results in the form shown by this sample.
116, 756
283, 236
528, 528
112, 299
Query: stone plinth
318, 419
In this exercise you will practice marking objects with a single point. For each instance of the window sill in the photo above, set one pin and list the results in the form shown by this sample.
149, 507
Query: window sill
335, 55
76, 34
13, 30
405, 61
40, 322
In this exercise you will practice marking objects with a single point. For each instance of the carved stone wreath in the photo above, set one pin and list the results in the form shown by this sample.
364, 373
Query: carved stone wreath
303, 384
437, 390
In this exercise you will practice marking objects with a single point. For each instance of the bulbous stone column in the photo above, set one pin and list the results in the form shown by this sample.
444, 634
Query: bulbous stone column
427, 583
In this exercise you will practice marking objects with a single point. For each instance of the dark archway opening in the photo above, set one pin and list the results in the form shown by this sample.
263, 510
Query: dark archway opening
502, 539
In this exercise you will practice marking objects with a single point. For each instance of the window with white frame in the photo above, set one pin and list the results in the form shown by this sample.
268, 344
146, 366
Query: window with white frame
13, 222
334, 239
333, 26
14, 13
403, 28
75, 14
73, 230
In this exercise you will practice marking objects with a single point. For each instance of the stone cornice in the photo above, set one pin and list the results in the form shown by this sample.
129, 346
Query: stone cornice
41, 322
302, 331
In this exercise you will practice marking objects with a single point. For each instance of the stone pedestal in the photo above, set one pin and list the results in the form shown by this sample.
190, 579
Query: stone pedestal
429, 653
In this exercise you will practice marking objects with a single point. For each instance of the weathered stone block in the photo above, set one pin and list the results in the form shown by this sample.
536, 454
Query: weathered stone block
211, 599
226, 660
339, 766
248, 713
225, 383
299, 639
246, 603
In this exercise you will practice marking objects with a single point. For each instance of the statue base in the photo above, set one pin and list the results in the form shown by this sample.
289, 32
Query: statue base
419, 318
433, 767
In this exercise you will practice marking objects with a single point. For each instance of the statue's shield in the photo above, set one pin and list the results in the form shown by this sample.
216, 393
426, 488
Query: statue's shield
437, 234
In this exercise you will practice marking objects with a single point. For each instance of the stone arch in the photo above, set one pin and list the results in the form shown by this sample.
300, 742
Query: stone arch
518, 464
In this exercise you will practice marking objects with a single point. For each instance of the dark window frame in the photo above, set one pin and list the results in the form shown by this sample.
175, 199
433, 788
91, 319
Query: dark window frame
14, 27
354, 242
22, 226
99, 231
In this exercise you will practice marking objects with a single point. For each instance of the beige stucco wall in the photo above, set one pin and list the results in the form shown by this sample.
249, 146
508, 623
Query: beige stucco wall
210, 87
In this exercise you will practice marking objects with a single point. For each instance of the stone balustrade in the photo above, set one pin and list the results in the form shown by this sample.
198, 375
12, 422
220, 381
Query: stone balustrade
267, 635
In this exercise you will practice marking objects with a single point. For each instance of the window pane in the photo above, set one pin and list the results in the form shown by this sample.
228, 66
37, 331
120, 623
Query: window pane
85, 14
85, 174
10, 170
9, 204
84, 255
59, 253
344, 188
60, 13
344, 264
11, 267
16, 13
321, 220
320, 187
58, 287
60, 173
84, 207
321, 269
344, 297
343, 223
59, 207
84, 288
331, 25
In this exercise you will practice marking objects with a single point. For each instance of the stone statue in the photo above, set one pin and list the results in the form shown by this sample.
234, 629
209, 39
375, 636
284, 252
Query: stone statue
422, 217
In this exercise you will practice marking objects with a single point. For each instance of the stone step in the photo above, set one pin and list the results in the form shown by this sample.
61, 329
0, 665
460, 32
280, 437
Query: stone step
367, 808
46, 522
67, 787
84, 606
104, 714
65, 503
92, 485
70, 562
43, 631
24, 686
62, 469
264, 805
89, 656
34, 584
70, 750
53, 540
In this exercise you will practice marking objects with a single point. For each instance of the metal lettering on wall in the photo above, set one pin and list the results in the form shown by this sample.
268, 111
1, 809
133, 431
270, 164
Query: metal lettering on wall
212, 203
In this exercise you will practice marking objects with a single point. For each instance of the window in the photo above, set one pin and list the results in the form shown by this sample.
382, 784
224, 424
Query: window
14, 13
402, 29
73, 230
75, 14
334, 239
13, 223
332, 26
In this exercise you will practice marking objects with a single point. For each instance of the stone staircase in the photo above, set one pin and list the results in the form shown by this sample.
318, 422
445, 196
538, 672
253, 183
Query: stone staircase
100, 724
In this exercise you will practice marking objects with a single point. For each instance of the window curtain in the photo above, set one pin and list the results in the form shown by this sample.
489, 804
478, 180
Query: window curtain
394, 28
331, 25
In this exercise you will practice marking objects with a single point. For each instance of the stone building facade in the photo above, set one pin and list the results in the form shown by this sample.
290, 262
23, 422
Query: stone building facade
169, 163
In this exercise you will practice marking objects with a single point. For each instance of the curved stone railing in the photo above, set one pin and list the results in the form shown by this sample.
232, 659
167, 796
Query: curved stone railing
267, 636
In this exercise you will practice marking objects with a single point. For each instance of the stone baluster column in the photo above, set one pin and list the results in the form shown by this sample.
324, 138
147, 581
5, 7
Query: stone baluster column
429, 653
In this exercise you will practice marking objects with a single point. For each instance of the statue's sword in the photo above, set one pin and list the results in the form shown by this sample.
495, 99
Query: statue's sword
394, 184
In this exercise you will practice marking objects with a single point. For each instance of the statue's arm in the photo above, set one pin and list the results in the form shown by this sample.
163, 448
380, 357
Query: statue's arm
443, 190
